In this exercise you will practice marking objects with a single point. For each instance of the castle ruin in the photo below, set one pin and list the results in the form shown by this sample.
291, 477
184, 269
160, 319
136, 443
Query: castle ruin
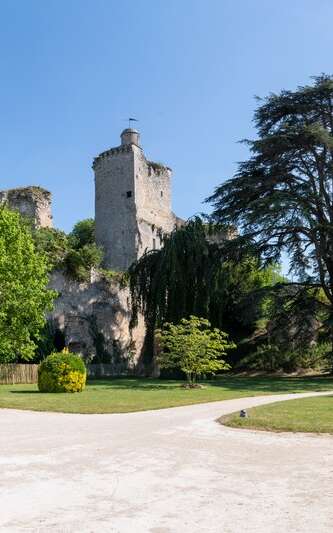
132, 215
132, 202
32, 202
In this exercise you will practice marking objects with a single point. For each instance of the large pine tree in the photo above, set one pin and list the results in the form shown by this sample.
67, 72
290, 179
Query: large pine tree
281, 198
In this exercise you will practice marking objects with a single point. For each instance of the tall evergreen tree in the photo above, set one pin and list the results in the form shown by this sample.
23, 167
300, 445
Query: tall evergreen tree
281, 198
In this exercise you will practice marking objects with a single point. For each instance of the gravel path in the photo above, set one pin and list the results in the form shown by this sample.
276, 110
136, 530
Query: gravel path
168, 471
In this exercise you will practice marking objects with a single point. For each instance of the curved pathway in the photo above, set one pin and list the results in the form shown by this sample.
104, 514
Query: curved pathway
167, 471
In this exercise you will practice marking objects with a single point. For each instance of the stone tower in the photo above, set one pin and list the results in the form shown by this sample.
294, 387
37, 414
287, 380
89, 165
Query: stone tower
132, 202
32, 202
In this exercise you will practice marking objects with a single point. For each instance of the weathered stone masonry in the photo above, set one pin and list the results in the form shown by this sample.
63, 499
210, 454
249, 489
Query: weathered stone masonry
32, 202
95, 320
132, 202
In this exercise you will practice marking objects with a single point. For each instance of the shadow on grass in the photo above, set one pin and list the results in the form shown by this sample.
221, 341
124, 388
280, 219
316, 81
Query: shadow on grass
275, 384
227, 383
143, 384
231, 383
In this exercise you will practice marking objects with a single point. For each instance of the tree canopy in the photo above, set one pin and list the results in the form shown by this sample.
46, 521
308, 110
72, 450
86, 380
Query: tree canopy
53, 243
76, 253
192, 275
173, 282
281, 198
83, 233
193, 346
24, 297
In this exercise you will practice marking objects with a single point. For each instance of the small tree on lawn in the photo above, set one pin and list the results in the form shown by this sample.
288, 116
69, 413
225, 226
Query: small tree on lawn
193, 347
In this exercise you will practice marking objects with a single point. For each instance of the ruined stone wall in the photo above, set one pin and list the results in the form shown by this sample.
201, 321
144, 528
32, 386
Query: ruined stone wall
221, 235
95, 320
31, 202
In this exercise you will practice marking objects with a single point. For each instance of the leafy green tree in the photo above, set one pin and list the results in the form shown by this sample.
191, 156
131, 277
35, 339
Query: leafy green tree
83, 233
240, 299
83, 254
281, 198
76, 253
193, 347
53, 243
24, 296
79, 262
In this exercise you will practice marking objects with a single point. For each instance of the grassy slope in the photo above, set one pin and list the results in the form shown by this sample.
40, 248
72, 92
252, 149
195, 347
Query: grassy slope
124, 395
307, 415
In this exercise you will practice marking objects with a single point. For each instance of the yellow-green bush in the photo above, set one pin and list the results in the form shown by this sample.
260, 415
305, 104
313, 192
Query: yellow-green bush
62, 372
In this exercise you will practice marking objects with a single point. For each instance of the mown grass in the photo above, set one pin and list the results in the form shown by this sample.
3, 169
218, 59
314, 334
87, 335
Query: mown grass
309, 415
131, 394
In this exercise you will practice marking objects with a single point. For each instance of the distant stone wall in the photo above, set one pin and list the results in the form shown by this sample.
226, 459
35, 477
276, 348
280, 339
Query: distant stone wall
221, 235
31, 202
95, 320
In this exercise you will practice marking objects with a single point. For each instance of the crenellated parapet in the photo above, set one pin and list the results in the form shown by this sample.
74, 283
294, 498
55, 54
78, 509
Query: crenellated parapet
111, 153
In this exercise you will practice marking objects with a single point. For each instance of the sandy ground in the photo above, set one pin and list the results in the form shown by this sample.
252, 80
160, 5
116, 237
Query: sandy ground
173, 470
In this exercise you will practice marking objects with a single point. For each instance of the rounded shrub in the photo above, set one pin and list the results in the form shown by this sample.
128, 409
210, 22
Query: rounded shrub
62, 372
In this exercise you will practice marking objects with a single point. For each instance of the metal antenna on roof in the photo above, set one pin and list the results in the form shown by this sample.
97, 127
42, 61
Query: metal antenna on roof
130, 120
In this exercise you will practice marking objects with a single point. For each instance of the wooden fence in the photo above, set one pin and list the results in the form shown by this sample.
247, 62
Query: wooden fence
13, 373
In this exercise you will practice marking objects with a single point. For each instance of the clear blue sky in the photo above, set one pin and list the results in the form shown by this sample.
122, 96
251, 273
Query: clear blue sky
73, 70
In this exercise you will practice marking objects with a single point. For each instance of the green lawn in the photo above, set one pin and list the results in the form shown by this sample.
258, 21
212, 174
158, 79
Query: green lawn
130, 394
313, 415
